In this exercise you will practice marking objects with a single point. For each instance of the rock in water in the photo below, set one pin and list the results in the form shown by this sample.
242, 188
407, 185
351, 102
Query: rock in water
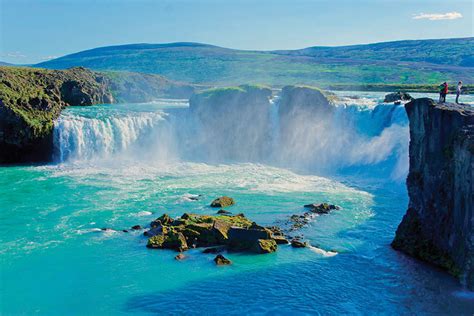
322, 208
397, 96
214, 250
191, 230
438, 226
265, 246
220, 260
296, 243
180, 256
223, 212
223, 201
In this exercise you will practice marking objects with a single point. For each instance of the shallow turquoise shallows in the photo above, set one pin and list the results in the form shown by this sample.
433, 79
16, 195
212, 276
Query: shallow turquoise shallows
122, 165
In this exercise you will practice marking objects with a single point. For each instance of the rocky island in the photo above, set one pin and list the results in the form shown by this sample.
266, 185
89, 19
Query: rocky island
439, 224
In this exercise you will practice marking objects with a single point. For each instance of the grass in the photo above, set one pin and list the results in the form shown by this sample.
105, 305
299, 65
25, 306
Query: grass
407, 62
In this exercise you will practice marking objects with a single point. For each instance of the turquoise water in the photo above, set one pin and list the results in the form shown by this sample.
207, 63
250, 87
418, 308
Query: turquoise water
110, 172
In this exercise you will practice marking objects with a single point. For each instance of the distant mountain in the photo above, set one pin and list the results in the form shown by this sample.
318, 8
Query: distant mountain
409, 62
452, 52
2, 63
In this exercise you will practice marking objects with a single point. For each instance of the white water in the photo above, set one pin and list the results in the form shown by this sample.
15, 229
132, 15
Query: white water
359, 133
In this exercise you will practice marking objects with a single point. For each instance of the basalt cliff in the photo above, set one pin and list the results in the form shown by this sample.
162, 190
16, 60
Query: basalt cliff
439, 224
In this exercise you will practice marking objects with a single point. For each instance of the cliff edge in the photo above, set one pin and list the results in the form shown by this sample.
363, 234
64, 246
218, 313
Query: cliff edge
31, 99
439, 224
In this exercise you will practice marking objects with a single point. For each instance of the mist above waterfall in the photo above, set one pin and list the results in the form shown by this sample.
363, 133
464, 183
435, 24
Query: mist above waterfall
285, 130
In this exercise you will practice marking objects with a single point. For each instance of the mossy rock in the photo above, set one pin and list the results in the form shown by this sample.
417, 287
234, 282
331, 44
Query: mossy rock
164, 220
172, 240
192, 230
156, 241
223, 201
265, 246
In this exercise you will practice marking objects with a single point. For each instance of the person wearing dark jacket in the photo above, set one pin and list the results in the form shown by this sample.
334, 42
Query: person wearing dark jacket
443, 91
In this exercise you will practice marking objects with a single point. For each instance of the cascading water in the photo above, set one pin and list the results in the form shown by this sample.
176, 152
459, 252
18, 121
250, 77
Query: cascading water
359, 132
96, 133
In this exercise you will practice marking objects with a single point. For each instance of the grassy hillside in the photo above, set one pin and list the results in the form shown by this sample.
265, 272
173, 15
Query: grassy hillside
405, 62
449, 52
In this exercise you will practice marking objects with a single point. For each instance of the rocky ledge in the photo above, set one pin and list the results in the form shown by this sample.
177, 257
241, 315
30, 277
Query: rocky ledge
439, 224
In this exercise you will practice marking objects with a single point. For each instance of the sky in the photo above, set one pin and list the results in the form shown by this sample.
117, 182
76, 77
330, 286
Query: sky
36, 30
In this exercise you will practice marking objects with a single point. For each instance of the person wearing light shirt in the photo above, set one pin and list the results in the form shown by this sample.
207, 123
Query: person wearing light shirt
458, 91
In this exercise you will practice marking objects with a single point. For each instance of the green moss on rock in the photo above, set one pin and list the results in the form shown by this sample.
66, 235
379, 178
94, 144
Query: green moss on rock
31, 99
192, 230
223, 201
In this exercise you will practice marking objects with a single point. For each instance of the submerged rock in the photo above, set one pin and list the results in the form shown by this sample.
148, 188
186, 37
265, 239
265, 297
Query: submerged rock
220, 260
224, 212
136, 227
214, 250
180, 256
223, 201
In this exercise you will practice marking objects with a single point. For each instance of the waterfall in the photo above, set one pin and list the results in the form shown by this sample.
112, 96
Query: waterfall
354, 135
79, 138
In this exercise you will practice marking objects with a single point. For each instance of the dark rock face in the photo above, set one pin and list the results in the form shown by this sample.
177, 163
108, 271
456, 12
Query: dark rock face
30, 101
439, 224
397, 96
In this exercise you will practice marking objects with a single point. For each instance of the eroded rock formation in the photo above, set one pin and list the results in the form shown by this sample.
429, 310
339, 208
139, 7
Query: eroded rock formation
439, 225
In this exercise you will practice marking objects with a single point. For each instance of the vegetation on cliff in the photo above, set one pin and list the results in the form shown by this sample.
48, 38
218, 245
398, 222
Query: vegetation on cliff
30, 100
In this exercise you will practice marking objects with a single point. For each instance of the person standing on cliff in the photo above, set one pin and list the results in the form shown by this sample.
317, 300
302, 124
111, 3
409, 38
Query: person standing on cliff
458, 91
443, 92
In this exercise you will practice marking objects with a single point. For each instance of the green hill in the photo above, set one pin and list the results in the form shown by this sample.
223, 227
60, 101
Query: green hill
402, 62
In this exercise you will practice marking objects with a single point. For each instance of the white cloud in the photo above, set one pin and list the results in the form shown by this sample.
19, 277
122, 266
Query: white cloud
50, 57
438, 16
12, 55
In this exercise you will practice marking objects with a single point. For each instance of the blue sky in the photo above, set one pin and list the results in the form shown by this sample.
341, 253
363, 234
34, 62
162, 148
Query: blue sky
36, 30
